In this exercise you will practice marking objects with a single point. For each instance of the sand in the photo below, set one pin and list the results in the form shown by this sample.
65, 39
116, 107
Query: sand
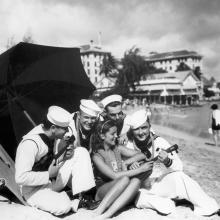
201, 162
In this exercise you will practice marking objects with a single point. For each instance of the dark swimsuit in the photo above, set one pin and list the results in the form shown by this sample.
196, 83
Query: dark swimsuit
214, 126
101, 178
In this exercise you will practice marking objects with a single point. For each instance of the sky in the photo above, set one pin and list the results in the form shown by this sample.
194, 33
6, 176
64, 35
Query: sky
151, 25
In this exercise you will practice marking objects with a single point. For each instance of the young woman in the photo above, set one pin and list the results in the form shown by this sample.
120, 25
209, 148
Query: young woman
116, 184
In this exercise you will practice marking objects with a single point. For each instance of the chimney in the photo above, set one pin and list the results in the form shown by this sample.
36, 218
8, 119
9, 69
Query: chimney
99, 39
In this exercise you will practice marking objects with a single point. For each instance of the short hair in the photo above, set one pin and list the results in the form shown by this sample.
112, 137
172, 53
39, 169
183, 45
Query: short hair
46, 123
113, 104
214, 106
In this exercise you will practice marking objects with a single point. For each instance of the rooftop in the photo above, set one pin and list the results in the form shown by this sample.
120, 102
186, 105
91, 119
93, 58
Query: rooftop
159, 81
173, 54
170, 77
89, 48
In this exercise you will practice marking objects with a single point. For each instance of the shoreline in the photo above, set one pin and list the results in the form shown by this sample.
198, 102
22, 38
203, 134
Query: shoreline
174, 133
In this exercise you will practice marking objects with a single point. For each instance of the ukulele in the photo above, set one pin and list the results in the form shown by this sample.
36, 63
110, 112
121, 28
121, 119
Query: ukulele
171, 149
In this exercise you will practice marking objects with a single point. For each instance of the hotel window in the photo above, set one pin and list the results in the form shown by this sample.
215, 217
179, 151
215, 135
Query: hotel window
96, 79
87, 63
88, 71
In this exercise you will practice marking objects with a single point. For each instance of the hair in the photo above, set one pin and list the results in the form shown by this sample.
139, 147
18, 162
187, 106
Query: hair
113, 104
130, 134
46, 123
101, 128
214, 107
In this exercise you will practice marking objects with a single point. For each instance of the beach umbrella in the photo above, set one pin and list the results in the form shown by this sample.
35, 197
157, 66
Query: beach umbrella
32, 78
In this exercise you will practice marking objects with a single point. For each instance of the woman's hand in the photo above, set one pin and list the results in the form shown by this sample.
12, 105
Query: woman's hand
147, 166
134, 166
122, 140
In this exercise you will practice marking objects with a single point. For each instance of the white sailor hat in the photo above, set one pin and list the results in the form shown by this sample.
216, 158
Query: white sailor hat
89, 107
137, 118
112, 98
58, 116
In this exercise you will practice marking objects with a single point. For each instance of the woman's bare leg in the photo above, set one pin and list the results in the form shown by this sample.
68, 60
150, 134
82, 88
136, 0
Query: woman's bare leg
218, 136
109, 192
126, 196
215, 137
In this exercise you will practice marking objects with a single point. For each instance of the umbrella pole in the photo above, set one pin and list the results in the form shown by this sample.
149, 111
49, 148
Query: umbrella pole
29, 118
25, 113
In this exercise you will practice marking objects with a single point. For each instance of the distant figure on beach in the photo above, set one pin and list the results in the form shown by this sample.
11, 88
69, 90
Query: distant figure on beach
148, 111
167, 182
41, 178
214, 122
117, 185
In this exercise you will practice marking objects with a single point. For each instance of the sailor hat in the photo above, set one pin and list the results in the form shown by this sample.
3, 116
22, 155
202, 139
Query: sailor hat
89, 107
109, 99
137, 118
58, 116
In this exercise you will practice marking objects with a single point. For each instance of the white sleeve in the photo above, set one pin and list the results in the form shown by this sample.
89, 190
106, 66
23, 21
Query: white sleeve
217, 117
126, 125
176, 165
130, 145
25, 158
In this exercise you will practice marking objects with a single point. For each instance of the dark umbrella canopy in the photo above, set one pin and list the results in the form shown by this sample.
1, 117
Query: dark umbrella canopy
33, 77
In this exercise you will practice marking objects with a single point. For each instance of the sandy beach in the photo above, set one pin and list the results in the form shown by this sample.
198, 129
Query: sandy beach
201, 162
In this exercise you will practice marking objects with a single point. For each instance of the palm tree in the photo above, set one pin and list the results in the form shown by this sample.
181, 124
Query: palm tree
108, 66
197, 72
182, 67
134, 66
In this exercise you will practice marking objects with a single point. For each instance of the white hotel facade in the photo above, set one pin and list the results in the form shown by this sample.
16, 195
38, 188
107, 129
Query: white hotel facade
181, 87
169, 61
92, 57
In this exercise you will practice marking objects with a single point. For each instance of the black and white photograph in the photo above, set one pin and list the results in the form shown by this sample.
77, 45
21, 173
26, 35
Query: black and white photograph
109, 109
